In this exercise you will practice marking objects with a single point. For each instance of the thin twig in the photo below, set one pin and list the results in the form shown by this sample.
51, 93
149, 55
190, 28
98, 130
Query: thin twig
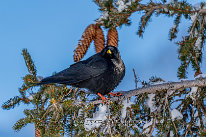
135, 78
176, 131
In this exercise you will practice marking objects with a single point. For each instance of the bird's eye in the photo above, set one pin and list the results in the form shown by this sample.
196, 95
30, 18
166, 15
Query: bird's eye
109, 51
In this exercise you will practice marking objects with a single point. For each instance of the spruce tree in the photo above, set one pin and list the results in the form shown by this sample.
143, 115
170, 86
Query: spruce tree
156, 108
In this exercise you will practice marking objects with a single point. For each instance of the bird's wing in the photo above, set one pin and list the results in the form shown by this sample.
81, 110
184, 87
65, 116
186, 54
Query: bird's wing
80, 71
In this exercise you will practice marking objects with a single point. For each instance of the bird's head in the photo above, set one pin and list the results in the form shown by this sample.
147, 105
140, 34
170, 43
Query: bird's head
110, 52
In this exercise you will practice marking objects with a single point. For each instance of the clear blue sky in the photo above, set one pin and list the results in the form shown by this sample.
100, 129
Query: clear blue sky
50, 30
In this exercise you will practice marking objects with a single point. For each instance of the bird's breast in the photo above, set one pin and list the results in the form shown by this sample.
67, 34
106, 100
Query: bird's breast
119, 66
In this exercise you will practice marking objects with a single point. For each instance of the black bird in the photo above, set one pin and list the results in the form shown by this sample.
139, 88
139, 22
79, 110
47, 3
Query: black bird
100, 73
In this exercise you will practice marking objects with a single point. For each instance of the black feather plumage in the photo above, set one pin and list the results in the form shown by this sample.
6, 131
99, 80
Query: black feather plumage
100, 73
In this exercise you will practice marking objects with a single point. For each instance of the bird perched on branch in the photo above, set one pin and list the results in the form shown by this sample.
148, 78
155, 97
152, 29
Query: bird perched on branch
100, 73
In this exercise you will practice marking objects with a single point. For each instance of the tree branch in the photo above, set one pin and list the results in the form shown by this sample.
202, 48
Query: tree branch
166, 86
153, 89
203, 11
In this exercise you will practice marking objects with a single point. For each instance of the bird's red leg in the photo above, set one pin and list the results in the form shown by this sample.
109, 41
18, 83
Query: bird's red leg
103, 98
115, 94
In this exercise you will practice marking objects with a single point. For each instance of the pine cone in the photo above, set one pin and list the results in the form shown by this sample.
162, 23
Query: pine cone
37, 132
99, 40
112, 37
84, 42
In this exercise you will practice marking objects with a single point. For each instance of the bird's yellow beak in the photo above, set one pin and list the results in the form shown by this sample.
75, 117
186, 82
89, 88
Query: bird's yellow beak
109, 51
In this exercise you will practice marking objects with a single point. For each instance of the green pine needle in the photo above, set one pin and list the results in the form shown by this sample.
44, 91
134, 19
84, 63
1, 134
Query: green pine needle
21, 123
11, 103
29, 62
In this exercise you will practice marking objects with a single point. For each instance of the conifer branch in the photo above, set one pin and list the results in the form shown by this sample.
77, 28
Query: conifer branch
11, 103
166, 86
201, 82
29, 62
202, 11
144, 21
173, 30
30, 118
98, 2
115, 18
21, 123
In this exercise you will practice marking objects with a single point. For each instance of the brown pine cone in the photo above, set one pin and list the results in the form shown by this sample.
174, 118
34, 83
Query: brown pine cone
84, 42
99, 40
112, 37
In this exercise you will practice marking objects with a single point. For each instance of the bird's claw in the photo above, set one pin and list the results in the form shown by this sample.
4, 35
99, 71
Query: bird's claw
115, 94
103, 98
